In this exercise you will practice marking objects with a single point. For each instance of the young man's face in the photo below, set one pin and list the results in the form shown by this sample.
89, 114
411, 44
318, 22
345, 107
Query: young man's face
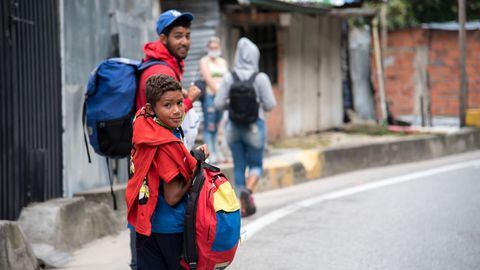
177, 42
170, 109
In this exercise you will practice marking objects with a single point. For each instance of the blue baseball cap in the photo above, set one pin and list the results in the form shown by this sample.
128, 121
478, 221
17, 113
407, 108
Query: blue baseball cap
169, 16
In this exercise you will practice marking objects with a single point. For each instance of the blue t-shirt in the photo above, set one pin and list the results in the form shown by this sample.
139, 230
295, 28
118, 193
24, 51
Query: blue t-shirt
166, 218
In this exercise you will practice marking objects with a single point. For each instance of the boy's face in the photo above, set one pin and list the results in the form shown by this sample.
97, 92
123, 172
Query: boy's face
177, 42
170, 109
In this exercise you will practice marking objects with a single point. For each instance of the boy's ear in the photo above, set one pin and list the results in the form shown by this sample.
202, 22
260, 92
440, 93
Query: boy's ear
149, 109
163, 39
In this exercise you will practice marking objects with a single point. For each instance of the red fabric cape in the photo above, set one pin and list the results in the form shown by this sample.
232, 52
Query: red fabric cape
148, 139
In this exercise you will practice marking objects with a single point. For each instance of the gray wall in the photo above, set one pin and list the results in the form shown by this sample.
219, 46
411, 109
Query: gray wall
363, 100
87, 27
205, 25
313, 81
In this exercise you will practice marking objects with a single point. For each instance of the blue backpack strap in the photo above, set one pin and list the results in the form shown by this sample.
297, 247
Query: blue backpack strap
152, 62
146, 64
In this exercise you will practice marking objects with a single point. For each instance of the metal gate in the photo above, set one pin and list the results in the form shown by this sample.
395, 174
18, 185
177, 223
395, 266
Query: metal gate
30, 104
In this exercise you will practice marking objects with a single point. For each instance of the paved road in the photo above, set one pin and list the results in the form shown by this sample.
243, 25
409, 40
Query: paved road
416, 216
424, 215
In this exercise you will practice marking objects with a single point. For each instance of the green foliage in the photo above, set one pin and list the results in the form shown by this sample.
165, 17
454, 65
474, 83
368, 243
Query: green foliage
410, 13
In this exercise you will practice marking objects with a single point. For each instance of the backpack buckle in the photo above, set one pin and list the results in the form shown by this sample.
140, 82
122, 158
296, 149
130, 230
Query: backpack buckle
192, 265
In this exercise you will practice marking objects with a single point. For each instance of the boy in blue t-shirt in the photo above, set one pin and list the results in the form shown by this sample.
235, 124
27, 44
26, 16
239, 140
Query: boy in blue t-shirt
162, 173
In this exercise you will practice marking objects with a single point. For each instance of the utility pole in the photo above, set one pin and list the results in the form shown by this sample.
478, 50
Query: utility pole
379, 64
463, 56
384, 26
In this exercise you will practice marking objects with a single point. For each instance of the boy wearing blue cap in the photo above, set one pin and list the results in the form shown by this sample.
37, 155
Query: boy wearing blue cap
173, 29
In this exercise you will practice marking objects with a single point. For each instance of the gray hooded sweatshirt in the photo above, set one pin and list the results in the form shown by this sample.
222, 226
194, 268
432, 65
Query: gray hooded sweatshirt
246, 63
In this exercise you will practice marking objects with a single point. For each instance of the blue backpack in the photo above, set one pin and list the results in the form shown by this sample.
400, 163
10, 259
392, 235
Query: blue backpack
109, 105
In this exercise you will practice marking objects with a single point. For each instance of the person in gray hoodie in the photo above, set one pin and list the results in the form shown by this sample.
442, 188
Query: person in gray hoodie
247, 142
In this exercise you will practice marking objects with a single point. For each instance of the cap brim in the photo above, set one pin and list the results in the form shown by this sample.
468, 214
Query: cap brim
187, 15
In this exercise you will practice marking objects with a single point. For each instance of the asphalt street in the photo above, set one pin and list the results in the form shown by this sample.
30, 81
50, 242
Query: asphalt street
423, 215
416, 216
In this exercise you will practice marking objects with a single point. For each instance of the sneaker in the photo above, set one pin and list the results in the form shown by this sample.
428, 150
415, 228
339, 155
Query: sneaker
248, 205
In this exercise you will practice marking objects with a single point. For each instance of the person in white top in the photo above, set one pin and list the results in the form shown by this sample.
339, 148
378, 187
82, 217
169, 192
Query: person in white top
212, 69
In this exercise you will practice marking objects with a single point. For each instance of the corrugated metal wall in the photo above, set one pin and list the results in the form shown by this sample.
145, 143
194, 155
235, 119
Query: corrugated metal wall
30, 104
205, 24
94, 30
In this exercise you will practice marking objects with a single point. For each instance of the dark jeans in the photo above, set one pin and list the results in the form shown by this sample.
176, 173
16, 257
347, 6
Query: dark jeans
159, 251
211, 118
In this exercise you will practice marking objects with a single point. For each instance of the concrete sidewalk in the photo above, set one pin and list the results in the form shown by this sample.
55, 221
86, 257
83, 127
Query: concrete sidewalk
107, 253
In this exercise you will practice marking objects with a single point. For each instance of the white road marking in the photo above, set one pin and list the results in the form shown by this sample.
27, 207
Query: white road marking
255, 226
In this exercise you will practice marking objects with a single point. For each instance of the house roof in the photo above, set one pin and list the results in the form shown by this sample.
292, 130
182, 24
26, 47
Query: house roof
333, 7
451, 26
328, 3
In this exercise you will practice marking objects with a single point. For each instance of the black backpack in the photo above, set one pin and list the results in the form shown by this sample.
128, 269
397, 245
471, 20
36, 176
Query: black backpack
243, 109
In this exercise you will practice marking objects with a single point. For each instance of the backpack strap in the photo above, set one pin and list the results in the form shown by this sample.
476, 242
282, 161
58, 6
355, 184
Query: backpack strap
84, 123
152, 62
235, 76
253, 77
237, 79
190, 252
110, 178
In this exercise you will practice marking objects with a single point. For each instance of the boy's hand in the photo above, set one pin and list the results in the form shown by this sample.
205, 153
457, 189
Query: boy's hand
204, 149
193, 92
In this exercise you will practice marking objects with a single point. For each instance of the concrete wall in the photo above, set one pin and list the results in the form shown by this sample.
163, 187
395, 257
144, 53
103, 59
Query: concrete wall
312, 98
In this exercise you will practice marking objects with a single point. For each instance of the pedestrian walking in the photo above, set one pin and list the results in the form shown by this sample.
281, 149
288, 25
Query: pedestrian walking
247, 94
212, 69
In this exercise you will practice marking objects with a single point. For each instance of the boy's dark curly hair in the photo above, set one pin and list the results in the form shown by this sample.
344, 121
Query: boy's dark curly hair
157, 85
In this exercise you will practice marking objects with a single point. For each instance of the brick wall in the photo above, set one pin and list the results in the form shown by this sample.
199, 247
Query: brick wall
443, 70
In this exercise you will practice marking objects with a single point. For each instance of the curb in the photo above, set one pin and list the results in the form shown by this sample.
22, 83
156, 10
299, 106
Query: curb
300, 166
306, 165
57, 227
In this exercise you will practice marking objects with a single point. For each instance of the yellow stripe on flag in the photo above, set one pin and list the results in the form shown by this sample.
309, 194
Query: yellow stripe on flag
225, 199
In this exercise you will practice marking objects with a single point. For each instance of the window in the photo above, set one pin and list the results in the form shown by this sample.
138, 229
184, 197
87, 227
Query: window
265, 37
